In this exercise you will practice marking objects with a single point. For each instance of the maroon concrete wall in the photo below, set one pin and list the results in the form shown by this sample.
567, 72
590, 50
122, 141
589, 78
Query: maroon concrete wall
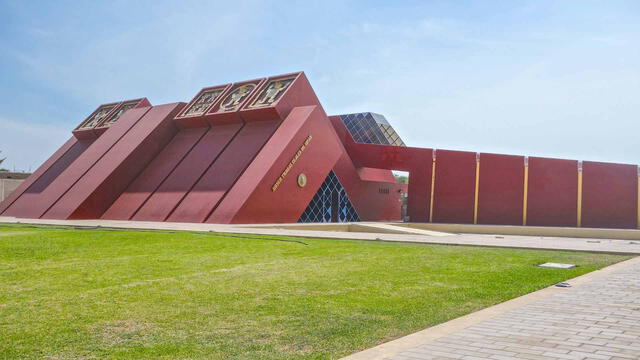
609, 195
57, 188
186, 175
59, 166
416, 161
100, 186
369, 202
454, 190
205, 196
52, 168
553, 192
500, 189
154, 175
253, 196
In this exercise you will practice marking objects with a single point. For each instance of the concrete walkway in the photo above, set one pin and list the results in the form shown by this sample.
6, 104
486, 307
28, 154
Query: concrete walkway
597, 318
374, 232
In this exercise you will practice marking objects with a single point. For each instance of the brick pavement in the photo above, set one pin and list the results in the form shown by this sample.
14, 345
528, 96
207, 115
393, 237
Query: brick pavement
596, 320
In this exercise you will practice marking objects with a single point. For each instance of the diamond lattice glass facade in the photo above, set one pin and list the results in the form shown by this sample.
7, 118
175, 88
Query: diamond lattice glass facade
371, 128
330, 204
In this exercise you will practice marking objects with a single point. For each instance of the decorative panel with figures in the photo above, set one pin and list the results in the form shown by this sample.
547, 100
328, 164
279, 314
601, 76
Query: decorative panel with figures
272, 92
120, 110
203, 102
97, 116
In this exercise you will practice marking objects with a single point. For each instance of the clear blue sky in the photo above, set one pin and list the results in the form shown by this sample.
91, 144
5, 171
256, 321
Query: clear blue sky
547, 78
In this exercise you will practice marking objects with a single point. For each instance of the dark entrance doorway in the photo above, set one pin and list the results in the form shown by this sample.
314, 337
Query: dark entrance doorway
402, 177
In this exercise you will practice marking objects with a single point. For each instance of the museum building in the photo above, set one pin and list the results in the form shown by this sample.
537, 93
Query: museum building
265, 151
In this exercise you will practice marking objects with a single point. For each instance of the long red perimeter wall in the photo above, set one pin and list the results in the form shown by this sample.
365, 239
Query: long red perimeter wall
482, 188
515, 190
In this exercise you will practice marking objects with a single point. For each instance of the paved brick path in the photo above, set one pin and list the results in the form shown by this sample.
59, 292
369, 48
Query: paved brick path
596, 320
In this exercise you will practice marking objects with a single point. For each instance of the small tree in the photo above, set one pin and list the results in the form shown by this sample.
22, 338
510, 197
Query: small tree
401, 179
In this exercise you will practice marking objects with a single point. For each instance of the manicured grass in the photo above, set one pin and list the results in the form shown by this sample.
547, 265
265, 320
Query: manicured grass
106, 294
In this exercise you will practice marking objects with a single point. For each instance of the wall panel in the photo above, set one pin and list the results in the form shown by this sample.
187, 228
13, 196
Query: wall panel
252, 199
29, 190
35, 208
454, 191
207, 193
609, 195
553, 192
139, 191
501, 189
187, 174
100, 186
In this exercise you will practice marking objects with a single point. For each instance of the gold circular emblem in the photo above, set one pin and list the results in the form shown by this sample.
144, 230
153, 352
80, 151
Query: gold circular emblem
302, 180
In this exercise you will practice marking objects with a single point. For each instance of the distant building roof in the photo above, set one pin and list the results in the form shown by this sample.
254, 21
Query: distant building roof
13, 175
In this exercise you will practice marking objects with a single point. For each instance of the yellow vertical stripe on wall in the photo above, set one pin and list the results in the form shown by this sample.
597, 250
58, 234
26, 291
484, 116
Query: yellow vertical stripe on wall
526, 195
433, 184
475, 202
579, 224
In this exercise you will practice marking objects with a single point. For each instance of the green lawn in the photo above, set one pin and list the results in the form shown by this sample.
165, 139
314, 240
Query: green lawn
107, 294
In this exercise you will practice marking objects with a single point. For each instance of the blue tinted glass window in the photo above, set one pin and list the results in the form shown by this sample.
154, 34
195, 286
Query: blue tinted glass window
331, 193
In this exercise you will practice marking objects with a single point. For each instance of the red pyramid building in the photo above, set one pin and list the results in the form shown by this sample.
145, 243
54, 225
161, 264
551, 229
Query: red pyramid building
265, 151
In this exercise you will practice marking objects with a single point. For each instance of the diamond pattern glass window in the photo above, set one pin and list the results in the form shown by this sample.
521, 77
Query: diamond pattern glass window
330, 204
371, 128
